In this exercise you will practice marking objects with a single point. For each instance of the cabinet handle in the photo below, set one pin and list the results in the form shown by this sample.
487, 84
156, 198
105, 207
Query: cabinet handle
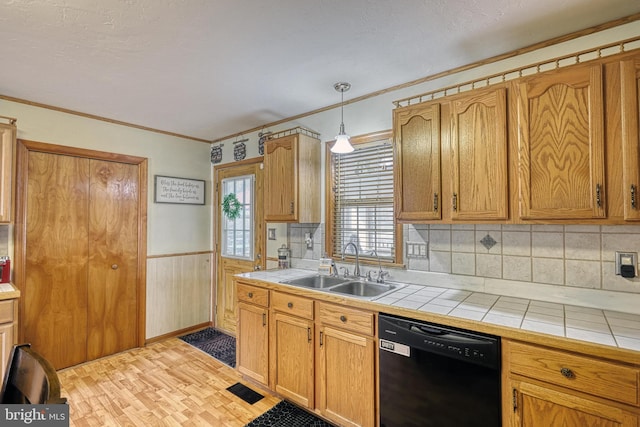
250, 294
435, 202
343, 318
308, 334
634, 201
264, 319
320, 338
514, 399
567, 373
290, 305
455, 202
599, 195
291, 207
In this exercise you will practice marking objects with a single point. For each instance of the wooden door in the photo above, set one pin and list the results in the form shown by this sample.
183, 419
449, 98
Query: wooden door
479, 185
281, 179
228, 263
80, 245
561, 144
253, 342
54, 312
346, 369
417, 157
536, 406
113, 258
630, 82
292, 349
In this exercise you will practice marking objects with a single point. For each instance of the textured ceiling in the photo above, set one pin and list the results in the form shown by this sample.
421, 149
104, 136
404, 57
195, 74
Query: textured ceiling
210, 68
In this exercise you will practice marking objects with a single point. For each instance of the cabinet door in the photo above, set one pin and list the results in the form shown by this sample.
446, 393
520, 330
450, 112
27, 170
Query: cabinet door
630, 81
536, 406
479, 156
417, 155
561, 144
6, 344
292, 350
252, 340
347, 377
280, 179
7, 148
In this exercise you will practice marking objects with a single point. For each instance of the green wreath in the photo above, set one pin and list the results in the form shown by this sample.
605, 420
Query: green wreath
231, 206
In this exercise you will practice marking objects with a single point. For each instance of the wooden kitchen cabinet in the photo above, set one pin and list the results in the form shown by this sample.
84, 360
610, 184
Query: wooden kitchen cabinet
560, 120
548, 387
478, 155
416, 135
346, 365
7, 167
252, 338
8, 335
292, 179
292, 348
630, 99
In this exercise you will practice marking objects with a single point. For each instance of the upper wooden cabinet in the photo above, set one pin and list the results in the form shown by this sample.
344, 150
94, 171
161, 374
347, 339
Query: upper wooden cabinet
292, 179
7, 156
478, 155
560, 131
416, 134
630, 90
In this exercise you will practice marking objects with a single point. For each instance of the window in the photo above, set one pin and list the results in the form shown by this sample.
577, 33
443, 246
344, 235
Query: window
237, 234
360, 204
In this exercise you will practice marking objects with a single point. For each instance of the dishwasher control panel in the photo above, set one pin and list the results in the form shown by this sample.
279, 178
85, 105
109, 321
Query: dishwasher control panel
401, 336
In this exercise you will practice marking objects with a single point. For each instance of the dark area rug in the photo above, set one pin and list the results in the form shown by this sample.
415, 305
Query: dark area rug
218, 344
285, 414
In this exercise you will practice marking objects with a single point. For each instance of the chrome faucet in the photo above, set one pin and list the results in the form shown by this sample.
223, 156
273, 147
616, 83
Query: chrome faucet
356, 271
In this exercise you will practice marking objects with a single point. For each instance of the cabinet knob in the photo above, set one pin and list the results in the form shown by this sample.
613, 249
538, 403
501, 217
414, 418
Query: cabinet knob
290, 305
250, 294
114, 266
567, 373
343, 318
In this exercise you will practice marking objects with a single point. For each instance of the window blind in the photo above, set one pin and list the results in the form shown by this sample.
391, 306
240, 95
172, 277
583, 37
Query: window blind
363, 202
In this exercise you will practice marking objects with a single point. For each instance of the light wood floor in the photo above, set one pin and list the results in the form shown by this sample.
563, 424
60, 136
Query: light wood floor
168, 383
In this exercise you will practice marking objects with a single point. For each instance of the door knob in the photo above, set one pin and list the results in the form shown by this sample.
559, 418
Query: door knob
114, 266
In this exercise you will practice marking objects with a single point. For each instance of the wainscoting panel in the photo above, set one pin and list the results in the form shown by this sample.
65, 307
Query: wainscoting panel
178, 292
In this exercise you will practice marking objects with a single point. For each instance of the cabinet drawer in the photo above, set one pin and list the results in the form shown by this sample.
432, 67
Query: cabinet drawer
346, 318
294, 305
582, 373
253, 294
6, 311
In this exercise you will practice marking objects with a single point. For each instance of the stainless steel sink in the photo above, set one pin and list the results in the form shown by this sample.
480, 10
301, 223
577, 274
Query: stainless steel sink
363, 289
316, 282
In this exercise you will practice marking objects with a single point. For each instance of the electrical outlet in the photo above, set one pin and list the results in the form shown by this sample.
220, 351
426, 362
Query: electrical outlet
626, 264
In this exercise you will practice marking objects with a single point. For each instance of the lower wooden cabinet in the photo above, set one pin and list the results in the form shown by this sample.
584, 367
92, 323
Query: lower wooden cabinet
252, 335
318, 355
346, 383
539, 406
547, 388
8, 312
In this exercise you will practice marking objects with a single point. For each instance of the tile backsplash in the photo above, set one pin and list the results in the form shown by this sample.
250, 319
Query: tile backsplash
581, 256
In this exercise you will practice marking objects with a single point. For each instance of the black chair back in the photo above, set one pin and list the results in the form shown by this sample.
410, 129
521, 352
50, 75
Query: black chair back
30, 379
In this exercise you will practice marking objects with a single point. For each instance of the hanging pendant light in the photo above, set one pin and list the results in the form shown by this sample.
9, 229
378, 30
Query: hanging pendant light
342, 144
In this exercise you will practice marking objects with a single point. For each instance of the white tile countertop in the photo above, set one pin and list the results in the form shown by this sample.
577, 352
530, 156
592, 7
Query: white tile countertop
588, 324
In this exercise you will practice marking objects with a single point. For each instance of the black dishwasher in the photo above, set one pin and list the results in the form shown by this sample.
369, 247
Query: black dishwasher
437, 376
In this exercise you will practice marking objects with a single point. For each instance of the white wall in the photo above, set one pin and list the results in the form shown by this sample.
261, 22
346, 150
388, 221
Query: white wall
171, 228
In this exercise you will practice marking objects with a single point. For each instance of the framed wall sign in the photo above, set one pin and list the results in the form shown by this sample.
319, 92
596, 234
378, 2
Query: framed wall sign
169, 189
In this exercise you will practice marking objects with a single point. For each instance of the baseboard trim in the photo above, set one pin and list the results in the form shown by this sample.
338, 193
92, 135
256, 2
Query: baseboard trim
185, 331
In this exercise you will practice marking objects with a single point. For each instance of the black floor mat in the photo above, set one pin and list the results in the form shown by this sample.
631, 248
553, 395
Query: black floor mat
245, 393
218, 344
285, 414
